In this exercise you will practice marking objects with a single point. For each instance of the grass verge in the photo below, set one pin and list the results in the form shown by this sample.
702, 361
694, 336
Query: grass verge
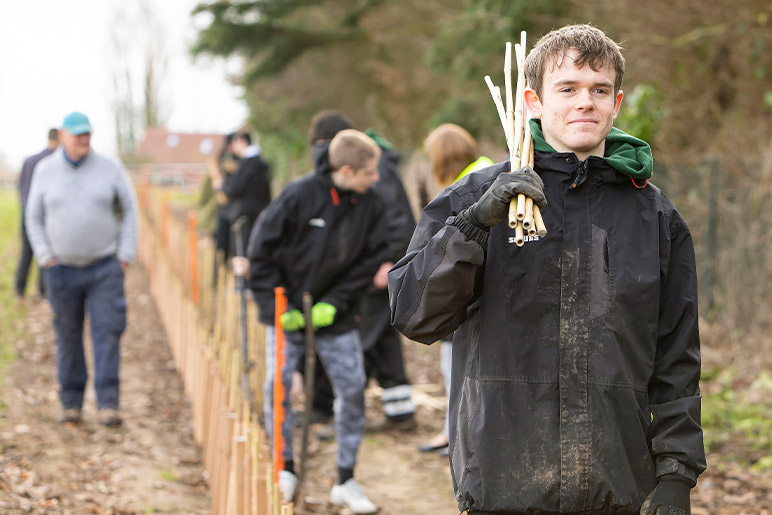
737, 417
11, 310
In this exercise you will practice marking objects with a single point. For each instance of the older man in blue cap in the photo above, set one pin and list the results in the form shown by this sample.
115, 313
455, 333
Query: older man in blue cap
82, 224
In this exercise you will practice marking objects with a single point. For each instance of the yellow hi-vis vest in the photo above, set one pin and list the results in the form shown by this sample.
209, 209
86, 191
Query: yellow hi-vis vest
482, 162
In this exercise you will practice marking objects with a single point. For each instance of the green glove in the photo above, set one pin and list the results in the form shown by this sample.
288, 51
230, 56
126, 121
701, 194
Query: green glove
322, 314
292, 320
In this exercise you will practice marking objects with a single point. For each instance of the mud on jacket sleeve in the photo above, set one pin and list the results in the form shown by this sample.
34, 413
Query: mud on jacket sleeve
273, 224
347, 291
674, 393
431, 287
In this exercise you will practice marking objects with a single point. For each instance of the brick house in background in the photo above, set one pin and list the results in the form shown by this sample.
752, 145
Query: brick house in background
174, 158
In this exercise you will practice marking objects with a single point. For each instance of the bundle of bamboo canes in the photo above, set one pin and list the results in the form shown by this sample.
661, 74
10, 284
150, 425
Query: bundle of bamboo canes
524, 216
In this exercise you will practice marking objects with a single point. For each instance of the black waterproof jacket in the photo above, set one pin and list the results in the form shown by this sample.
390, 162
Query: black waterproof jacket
248, 189
314, 237
575, 357
400, 220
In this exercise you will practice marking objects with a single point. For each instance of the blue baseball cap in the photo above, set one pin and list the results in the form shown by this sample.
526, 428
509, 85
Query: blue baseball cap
77, 123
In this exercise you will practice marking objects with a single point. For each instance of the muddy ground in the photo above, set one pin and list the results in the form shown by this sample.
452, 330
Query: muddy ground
153, 465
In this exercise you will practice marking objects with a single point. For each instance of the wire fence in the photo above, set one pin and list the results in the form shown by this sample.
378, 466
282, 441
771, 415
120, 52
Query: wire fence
725, 201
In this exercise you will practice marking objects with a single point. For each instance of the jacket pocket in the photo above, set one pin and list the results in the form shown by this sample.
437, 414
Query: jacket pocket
600, 286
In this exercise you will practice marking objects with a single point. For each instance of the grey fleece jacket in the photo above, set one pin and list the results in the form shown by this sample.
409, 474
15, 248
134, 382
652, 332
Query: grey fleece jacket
78, 214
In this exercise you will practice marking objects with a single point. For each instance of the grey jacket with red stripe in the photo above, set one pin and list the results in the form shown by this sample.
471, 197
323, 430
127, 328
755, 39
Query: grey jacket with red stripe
575, 358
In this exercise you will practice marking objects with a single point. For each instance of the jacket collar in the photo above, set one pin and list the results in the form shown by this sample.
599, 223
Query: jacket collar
567, 163
624, 153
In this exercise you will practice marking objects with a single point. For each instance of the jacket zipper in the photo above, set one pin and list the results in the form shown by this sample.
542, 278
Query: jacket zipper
582, 170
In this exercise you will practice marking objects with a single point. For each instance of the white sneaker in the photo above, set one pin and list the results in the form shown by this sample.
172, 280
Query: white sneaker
288, 482
352, 494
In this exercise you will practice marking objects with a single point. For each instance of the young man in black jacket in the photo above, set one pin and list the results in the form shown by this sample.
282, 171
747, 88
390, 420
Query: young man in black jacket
324, 234
381, 343
576, 358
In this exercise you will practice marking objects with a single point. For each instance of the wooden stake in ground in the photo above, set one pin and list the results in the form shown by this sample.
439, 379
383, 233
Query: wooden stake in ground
308, 304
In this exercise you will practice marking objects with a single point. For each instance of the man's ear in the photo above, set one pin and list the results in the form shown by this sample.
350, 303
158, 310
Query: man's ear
618, 103
533, 102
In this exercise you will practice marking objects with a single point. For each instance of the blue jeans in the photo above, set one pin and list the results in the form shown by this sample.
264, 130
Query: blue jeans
71, 290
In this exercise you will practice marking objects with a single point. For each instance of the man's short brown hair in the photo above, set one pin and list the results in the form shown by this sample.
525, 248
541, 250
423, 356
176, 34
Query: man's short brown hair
451, 149
353, 148
594, 47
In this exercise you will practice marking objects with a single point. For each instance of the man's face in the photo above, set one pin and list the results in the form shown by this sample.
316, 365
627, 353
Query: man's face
577, 106
362, 179
76, 147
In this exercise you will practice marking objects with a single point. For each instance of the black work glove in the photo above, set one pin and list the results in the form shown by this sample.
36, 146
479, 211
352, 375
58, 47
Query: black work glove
493, 206
670, 497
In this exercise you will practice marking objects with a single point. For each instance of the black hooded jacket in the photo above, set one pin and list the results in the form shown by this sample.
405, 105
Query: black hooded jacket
575, 357
248, 189
400, 222
314, 237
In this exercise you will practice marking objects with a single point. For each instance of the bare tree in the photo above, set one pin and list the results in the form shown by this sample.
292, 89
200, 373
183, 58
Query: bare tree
123, 101
155, 65
139, 62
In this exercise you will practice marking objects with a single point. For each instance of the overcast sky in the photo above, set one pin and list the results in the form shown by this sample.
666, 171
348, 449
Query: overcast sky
58, 56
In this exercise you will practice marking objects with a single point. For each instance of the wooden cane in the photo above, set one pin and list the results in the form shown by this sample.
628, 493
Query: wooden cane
524, 160
515, 145
528, 218
519, 237
496, 94
541, 229
521, 136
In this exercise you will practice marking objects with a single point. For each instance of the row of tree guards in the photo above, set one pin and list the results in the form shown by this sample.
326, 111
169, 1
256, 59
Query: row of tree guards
524, 216
201, 318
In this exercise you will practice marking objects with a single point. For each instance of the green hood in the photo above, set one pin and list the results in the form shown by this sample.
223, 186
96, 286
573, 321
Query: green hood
379, 139
626, 154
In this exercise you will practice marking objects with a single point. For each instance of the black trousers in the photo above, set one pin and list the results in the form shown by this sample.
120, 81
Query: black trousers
381, 343
222, 233
25, 260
